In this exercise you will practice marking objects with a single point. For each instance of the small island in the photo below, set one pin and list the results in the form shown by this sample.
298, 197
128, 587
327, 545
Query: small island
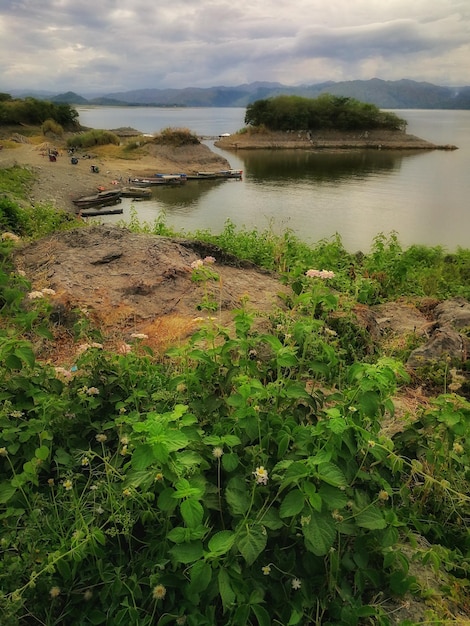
324, 123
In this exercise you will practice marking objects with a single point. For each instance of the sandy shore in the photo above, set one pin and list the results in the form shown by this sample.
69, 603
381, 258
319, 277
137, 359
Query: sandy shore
60, 182
330, 140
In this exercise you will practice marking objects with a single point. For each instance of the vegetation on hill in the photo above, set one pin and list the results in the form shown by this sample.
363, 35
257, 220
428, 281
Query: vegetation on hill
325, 112
31, 111
244, 477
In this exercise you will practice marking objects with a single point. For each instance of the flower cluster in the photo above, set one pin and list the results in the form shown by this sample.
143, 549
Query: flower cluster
208, 260
323, 274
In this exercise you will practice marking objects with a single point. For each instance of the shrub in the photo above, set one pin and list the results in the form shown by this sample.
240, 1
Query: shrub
52, 127
176, 137
93, 138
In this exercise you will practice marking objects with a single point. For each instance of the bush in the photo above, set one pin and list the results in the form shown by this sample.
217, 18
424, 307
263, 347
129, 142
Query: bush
176, 137
93, 138
52, 127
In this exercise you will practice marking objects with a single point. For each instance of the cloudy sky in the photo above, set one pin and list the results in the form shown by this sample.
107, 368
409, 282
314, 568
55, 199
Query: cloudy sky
104, 46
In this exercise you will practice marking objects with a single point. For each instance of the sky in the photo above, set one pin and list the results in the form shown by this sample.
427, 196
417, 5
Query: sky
108, 46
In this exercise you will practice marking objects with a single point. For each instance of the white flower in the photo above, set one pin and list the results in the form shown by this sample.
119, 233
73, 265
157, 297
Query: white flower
48, 292
323, 274
266, 569
196, 264
217, 452
139, 336
35, 295
209, 260
296, 583
159, 592
92, 391
261, 475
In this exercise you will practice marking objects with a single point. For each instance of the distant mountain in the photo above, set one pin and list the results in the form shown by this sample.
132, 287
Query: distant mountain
399, 94
68, 98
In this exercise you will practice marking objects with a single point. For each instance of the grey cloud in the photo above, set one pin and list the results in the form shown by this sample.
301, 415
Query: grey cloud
392, 38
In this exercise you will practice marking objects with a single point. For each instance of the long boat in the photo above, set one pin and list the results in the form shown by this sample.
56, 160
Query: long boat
218, 174
136, 192
102, 198
98, 211
158, 179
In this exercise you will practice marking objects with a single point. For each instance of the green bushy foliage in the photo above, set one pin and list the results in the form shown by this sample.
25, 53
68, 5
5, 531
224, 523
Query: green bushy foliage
93, 138
176, 137
51, 126
35, 112
283, 113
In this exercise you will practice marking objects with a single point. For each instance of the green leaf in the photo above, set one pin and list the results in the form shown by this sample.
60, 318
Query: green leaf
166, 500
187, 552
261, 615
331, 474
42, 453
142, 457
226, 592
7, 491
192, 512
251, 542
292, 504
185, 489
237, 497
333, 497
230, 461
200, 576
221, 542
371, 518
319, 534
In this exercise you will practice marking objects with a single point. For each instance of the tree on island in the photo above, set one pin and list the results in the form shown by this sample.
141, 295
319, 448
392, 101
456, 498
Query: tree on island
284, 113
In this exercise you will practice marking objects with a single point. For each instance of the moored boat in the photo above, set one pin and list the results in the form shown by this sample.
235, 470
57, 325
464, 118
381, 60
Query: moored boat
223, 174
98, 211
102, 198
158, 179
136, 192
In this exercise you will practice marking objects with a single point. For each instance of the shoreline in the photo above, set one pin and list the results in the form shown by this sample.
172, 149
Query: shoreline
327, 140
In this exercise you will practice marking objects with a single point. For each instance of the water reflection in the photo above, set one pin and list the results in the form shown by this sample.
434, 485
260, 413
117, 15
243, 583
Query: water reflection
288, 165
188, 194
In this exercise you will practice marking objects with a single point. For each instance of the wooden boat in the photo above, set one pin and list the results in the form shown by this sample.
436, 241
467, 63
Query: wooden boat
159, 179
136, 192
102, 198
97, 211
220, 174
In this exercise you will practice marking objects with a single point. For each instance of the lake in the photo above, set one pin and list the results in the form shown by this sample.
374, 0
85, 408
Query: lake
422, 196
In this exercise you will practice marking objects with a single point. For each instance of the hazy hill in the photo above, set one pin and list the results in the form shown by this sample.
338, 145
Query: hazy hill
400, 94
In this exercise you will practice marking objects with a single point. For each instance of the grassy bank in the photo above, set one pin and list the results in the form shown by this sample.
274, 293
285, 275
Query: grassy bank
244, 477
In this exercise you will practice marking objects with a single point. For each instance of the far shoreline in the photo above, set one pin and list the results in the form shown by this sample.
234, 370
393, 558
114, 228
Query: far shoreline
327, 140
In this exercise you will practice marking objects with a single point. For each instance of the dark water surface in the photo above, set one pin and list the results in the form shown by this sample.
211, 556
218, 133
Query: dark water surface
422, 196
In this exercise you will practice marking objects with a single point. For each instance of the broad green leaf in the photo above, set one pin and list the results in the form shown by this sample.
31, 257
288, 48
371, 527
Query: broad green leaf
160, 452
226, 592
292, 504
166, 500
333, 497
230, 461
331, 474
251, 542
185, 489
7, 491
261, 614
42, 453
192, 512
142, 457
200, 576
371, 518
187, 552
319, 533
237, 497
221, 542
178, 534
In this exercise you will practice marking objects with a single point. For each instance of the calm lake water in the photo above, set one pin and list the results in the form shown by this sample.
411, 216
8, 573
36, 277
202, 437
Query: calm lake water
421, 196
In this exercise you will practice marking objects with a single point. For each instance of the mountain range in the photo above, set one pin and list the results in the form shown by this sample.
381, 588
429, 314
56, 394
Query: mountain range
400, 94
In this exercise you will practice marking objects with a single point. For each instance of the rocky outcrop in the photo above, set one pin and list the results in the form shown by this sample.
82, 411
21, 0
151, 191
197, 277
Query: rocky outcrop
446, 340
